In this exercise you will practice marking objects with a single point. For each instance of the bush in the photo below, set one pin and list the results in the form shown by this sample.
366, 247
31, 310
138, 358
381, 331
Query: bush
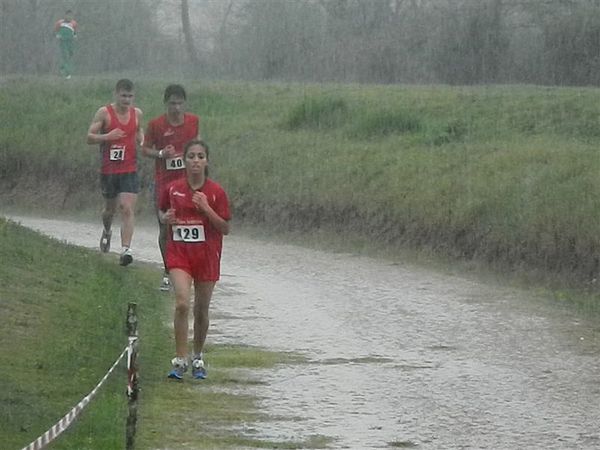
317, 113
382, 123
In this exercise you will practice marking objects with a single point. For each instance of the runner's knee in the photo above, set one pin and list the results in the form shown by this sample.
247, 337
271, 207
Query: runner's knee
126, 209
182, 306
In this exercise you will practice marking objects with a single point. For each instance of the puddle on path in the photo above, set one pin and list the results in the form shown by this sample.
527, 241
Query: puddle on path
397, 354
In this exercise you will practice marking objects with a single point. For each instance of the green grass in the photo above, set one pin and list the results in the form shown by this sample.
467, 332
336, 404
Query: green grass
57, 304
505, 175
200, 413
383, 123
316, 113
63, 310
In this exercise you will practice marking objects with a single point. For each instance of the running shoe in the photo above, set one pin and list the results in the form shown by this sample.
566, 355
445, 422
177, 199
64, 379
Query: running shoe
105, 241
179, 368
198, 369
165, 284
126, 257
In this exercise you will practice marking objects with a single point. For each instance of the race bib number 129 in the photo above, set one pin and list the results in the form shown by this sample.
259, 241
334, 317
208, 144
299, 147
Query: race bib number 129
188, 233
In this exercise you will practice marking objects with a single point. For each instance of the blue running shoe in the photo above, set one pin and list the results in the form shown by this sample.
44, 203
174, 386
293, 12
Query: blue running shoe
179, 368
198, 369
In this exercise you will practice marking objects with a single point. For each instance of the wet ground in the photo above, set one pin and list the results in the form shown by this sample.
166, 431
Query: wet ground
398, 356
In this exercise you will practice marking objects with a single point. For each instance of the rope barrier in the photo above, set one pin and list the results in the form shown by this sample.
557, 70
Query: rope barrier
132, 391
64, 423
132, 377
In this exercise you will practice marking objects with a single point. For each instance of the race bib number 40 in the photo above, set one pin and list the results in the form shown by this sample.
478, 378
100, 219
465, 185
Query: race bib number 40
117, 153
174, 163
188, 233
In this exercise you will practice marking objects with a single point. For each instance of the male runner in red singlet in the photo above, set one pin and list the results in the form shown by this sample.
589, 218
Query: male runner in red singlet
117, 128
165, 137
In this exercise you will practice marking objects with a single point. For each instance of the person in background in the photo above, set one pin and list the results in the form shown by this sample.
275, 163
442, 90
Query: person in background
66, 32
117, 128
164, 140
196, 210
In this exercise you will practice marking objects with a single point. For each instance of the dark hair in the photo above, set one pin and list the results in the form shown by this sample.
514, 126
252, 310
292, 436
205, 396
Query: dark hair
68, 11
193, 142
124, 85
174, 89
202, 144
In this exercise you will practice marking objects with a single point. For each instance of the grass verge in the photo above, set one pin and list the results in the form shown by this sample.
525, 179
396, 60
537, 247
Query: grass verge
63, 310
500, 176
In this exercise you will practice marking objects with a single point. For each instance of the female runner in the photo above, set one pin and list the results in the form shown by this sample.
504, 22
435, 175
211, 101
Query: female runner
196, 210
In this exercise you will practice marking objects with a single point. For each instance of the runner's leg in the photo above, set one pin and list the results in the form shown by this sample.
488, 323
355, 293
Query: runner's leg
202, 294
63, 58
69, 62
127, 202
162, 239
182, 283
108, 213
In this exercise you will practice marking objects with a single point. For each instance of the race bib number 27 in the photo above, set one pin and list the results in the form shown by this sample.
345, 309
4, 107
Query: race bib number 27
188, 233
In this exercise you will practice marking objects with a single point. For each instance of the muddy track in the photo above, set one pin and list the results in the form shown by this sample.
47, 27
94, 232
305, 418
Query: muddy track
398, 355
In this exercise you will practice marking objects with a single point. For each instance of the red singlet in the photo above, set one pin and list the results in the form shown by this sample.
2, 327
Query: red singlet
161, 133
193, 243
120, 156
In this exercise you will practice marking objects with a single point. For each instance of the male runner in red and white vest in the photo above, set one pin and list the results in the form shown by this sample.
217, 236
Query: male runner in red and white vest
117, 128
165, 138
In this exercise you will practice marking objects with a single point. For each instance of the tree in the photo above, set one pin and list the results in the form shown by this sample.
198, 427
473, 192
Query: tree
187, 34
572, 48
472, 43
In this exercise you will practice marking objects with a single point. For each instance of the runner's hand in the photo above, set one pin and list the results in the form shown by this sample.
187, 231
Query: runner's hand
200, 200
169, 216
115, 134
168, 151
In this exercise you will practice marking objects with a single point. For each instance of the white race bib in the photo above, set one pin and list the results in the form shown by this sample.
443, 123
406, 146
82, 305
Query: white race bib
188, 233
174, 163
117, 153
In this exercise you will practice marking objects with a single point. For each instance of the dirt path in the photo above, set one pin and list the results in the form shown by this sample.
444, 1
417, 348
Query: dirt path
397, 354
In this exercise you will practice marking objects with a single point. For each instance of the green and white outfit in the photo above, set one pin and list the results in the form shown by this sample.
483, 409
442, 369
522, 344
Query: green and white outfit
66, 31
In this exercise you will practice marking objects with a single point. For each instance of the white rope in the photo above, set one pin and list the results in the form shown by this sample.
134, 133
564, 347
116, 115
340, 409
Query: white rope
70, 417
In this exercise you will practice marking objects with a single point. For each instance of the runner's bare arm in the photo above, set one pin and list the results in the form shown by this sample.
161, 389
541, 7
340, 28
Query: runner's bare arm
218, 222
158, 153
95, 135
200, 200
149, 150
167, 216
96, 126
139, 136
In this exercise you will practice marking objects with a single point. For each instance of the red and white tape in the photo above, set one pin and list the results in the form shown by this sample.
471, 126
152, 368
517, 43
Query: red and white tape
70, 417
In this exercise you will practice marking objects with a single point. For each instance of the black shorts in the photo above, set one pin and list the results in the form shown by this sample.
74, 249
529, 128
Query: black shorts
113, 184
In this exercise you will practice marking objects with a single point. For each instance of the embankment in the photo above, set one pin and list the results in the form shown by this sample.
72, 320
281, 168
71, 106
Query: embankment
508, 176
